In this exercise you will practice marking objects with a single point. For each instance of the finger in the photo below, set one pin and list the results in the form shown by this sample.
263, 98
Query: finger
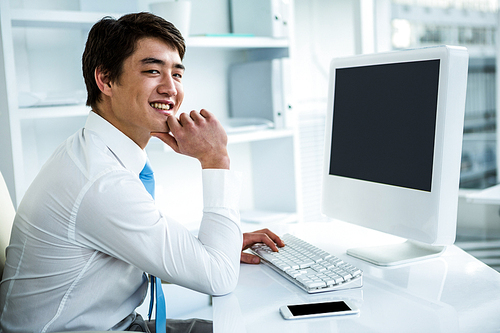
248, 258
167, 130
168, 139
173, 123
269, 242
205, 113
196, 116
183, 118
275, 238
258, 237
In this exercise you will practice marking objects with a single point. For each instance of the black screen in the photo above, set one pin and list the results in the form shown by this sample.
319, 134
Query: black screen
384, 121
314, 308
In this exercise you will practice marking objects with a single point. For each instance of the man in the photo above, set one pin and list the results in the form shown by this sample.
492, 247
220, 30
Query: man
87, 228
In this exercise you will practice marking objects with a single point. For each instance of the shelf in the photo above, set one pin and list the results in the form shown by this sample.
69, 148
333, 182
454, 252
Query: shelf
266, 217
259, 135
236, 42
268, 134
53, 112
55, 18
481, 52
477, 172
483, 136
489, 196
444, 16
85, 20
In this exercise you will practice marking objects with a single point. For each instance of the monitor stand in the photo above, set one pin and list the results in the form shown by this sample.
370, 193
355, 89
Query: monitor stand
396, 254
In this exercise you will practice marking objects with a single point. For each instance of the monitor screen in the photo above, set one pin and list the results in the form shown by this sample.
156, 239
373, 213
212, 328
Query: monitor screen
387, 136
393, 142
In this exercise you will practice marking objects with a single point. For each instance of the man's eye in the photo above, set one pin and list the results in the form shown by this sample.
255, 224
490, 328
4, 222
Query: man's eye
153, 71
178, 75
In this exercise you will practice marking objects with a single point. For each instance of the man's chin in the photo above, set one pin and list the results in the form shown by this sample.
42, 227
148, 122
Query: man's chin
164, 129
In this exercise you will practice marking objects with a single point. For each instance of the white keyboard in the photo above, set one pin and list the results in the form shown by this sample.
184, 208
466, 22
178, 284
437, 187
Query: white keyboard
309, 267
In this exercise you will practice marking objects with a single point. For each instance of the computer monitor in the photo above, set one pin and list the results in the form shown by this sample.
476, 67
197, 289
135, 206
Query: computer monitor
393, 148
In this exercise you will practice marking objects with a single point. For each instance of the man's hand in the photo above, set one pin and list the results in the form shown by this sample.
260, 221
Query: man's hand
260, 236
199, 135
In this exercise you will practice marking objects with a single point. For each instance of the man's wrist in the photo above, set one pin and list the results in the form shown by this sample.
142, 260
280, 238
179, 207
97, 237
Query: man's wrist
219, 162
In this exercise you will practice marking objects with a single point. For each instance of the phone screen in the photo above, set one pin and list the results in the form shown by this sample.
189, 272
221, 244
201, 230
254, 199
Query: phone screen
316, 308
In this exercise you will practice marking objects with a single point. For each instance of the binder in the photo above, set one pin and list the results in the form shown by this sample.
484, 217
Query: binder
268, 18
260, 89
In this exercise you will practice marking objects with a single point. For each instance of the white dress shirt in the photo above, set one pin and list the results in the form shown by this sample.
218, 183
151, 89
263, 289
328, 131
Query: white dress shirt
87, 230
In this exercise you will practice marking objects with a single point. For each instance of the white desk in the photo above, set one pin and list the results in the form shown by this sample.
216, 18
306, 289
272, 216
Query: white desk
452, 293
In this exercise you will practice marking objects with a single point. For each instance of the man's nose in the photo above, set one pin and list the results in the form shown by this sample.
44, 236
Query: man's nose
167, 87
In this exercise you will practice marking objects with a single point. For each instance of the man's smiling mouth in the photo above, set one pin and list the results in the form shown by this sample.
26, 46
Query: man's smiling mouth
161, 106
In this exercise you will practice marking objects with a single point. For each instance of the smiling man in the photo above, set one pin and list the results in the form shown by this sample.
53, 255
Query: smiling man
87, 231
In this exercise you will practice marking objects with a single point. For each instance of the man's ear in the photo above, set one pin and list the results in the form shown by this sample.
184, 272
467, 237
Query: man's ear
102, 80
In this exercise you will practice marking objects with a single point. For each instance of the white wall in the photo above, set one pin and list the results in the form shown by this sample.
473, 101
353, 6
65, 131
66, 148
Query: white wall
324, 29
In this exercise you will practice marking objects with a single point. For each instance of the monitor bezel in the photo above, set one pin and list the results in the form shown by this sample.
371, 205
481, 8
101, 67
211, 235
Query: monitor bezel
427, 217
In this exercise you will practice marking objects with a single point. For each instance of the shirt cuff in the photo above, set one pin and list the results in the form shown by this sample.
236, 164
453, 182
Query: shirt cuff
221, 188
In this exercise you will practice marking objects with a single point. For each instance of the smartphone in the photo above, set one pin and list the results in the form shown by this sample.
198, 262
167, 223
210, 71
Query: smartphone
323, 309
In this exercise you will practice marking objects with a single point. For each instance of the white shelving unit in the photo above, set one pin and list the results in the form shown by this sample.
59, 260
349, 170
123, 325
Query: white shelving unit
32, 59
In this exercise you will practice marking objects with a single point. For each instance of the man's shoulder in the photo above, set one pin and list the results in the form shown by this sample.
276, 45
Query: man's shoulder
80, 159
90, 154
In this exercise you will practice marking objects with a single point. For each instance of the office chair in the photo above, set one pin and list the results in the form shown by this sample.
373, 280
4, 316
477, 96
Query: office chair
7, 213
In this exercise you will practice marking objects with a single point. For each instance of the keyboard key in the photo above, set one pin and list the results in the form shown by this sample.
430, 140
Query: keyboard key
329, 265
335, 261
309, 272
303, 278
264, 254
345, 275
315, 284
283, 266
337, 278
316, 258
293, 273
305, 263
330, 281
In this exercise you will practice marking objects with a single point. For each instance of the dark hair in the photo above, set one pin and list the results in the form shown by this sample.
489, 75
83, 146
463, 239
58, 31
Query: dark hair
111, 41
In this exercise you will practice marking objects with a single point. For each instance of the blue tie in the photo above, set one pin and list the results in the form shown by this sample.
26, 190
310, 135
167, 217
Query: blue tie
148, 179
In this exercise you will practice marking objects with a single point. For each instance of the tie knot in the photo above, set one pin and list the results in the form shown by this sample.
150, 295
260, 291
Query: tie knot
147, 178
147, 170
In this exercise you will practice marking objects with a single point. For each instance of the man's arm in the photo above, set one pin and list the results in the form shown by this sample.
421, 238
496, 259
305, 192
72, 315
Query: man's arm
200, 135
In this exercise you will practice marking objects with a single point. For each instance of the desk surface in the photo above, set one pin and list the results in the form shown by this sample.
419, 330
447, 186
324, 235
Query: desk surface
452, 293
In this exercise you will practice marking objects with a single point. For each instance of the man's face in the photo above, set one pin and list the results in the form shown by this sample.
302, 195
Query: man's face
148, 90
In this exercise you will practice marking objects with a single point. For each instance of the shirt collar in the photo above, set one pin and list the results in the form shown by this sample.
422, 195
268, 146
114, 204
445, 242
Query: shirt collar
127, 151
